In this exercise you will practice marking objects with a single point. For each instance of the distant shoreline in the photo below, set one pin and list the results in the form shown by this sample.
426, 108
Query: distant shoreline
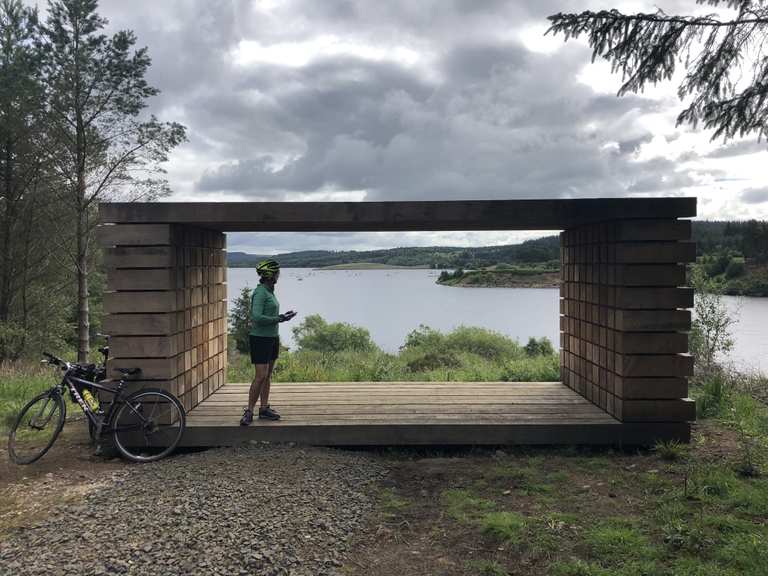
370, 266
503, 279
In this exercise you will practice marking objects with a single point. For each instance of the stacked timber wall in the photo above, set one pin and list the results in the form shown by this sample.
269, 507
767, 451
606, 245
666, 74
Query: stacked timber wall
624, 318
165, 306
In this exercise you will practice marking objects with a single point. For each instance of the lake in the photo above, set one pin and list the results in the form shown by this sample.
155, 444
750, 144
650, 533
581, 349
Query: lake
392, 303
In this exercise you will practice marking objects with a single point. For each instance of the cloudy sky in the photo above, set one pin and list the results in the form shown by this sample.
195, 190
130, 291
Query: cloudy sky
403, 100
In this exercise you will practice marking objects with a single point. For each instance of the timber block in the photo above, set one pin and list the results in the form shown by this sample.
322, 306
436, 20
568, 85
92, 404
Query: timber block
644, 230
653, 320
141, 324
650, 342
655, 252
678, 410
135, 234
135, 302
140, 257
650, 388
654, 365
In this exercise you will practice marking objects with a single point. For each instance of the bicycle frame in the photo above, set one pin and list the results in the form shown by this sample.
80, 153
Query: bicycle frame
97, 420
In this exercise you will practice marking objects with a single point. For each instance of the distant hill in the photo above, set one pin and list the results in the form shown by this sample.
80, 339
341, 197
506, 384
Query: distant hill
747, 239
539, 250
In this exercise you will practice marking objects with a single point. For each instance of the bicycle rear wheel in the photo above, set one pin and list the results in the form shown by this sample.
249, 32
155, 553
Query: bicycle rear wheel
149, 425
37, 427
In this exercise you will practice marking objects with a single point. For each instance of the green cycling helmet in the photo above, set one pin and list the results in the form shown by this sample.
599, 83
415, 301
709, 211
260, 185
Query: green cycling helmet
268, 268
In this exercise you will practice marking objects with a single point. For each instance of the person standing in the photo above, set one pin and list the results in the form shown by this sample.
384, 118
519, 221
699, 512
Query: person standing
264, 340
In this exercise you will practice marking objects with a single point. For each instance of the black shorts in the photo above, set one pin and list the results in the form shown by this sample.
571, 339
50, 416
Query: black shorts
264, 349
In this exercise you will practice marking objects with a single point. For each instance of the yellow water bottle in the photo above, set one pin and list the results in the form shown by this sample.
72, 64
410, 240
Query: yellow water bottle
91, 400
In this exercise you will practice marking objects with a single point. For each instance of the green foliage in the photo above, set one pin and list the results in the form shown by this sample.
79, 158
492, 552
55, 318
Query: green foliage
618, 541
540, 347
508, 527
736, 268
318, 335
240, 320
671, 450
19, 383
437, 257
647, 48
463, 506
711, 329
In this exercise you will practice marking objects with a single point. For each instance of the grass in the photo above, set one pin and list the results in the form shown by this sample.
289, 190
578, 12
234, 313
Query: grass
19, 383
376, 366
675, 510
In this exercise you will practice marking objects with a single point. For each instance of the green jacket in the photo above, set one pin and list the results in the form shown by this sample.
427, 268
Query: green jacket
265, 310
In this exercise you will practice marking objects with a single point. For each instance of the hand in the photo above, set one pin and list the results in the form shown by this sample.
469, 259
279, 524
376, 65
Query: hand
289, 315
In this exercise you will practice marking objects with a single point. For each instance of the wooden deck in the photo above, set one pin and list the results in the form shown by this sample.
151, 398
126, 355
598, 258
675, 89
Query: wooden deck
418, 413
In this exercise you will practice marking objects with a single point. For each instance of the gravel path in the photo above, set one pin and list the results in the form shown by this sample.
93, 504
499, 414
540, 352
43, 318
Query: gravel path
265, 509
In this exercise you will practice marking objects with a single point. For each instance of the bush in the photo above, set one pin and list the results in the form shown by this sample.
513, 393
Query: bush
240, 320
318, 335
482, 342
736, 267
542, 347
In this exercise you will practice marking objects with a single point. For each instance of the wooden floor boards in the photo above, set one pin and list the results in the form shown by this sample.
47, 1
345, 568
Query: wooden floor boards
417, 413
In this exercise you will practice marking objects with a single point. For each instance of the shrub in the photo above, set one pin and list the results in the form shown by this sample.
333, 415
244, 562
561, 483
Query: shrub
711, 330
736, 267
317, 334
240, 320
482, 342
542, 347
433, 360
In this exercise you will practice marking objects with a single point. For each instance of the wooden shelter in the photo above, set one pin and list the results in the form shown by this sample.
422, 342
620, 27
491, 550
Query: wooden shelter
624, 319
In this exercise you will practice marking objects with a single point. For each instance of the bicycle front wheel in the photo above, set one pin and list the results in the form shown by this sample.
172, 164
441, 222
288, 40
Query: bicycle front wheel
149, 425
37, 427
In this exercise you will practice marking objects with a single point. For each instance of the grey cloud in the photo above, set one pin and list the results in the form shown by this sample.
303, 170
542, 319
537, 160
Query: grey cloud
754, 195
738, 149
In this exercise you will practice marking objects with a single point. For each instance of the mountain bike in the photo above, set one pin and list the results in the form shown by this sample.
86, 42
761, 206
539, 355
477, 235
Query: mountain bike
145, 426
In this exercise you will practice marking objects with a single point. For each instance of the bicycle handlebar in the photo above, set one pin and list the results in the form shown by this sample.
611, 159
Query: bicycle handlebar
51, 359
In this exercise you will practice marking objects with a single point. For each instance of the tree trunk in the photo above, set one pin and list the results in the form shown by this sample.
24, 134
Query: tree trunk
83, 311
6, 266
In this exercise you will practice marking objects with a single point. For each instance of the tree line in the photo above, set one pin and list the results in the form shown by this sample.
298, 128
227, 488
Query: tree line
74, 131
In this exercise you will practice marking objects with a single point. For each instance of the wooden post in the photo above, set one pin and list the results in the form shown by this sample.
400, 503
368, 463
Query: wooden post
166, 306
625, 319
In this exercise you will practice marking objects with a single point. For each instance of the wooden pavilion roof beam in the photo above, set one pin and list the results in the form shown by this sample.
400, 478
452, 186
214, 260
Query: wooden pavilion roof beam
557, 214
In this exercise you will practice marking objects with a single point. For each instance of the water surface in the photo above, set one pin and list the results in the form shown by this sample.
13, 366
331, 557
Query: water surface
391, 303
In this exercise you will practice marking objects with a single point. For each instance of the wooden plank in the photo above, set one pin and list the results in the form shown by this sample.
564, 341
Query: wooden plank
143, 279
654, 365
649, 275
136, 302
677, 410
151, 368
612, 433
657, 229
140, 257
139, 324
143, 234
652, 298
554, 214
651, 388
653, 320
143, 346
651, 342
205, 409
655, 252
455, 400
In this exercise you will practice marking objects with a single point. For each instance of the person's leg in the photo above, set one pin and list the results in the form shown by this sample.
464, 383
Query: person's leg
266, 385
259, 378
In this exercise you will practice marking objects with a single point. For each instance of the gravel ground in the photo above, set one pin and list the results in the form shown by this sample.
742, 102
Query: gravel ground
264, 509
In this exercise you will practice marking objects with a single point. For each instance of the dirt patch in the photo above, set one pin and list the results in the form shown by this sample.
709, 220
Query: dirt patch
534, 512
67, 473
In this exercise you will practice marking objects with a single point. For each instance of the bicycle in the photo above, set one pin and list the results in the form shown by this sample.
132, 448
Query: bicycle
145, 426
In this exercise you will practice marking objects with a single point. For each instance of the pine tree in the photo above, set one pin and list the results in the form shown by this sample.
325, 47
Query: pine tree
717, 55
100, 140
240, 320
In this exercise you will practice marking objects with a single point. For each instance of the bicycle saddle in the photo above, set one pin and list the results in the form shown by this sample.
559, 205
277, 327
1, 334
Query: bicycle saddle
127, 371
